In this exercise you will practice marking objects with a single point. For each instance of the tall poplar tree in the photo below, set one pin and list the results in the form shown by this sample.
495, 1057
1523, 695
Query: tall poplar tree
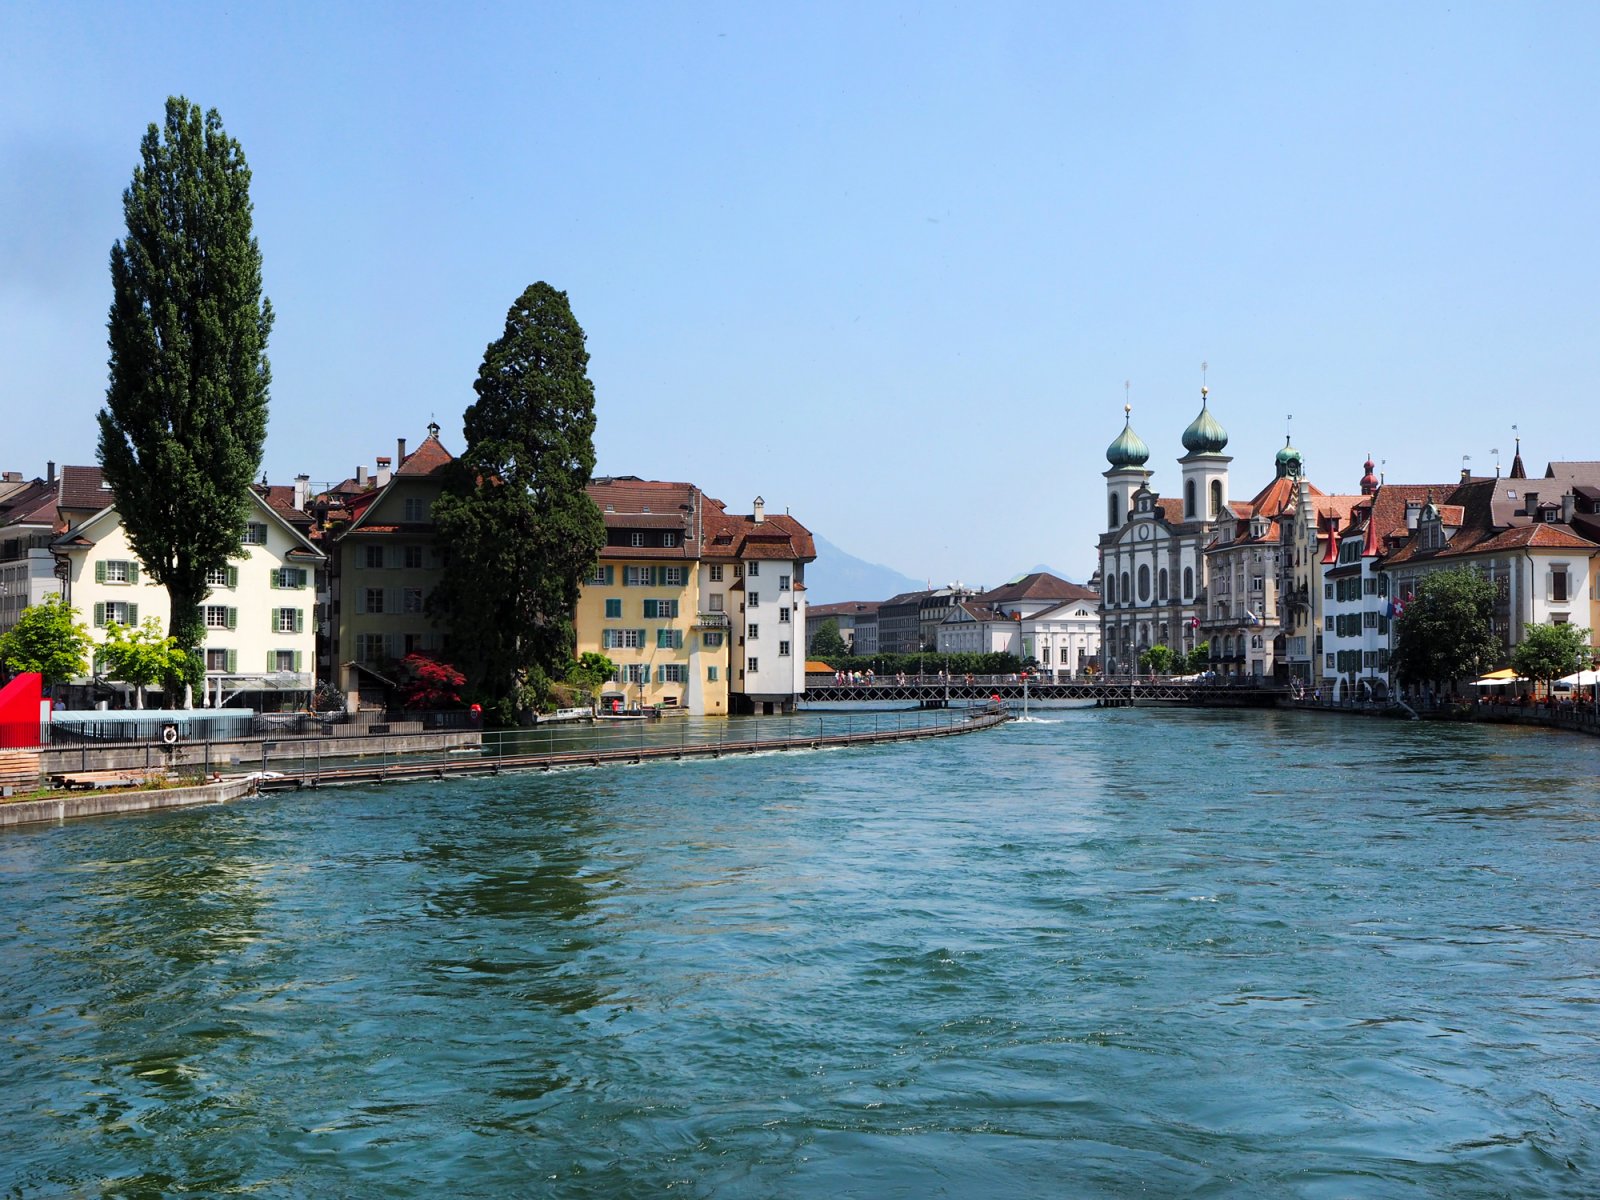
518, 531
185, 419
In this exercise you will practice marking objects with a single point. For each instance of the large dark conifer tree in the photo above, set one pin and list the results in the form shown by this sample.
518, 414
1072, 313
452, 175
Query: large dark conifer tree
185, 419
518, 531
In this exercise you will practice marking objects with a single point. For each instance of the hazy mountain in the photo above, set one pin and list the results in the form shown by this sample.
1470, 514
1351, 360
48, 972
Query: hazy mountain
837, 576
1056, 571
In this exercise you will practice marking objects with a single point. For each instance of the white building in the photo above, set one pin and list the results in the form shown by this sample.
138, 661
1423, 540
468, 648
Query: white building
1039, 616
260, 614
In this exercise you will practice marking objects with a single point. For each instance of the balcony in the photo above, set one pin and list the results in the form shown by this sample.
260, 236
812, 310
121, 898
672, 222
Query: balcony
712, 620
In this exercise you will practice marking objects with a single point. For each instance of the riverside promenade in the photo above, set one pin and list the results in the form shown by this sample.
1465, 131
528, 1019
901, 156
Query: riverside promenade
1576, 718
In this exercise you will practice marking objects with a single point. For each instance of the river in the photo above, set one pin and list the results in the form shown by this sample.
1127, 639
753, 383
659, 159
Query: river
1116, 953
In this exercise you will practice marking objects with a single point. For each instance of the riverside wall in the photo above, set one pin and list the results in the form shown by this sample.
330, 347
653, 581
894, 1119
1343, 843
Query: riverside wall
102, 804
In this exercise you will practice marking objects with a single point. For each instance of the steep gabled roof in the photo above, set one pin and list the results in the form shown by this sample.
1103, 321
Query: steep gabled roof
83, 489
427, 459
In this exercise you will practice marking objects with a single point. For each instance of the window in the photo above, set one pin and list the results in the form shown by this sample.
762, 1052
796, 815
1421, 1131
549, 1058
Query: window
287, 620
711, 674
1559, 618
416, 509
116, 572
1370, 586
601, 576
411, 600
283, 660
1111, 589
1161, 585
1188, 583
1126, 589
1113, 511
783, 583
673, 673
674, 576
289, 577
622, 639
670, 539
369, 647
738, 570
216, 660
413, 557
255, 534
660, 610
711, 639
1369, 620
1216, 498
783, 649
222, 577
374, 598
783, 616
636, 539
1558, 584
636, 576
374, 556
1144, 583
1188, 500
754, 569
752, 632
754, 665
1330, 623
716, 602
216, 616
715, 573
637, 672
753, 599
613, 608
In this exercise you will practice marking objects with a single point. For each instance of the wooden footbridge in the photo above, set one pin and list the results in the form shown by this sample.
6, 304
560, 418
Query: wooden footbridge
933, 692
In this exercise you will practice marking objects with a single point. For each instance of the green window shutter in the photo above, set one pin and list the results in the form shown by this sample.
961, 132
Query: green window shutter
297, 657
233, 620
133, 572
133, 615
677, 639
272, 620
610, 571
655, 576
99, 612
231, 661
272, 577
627, 581
271, 660
233, 577
100, 572
299, 621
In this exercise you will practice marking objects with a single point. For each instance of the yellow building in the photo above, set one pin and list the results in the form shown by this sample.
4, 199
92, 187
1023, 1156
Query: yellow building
641, 606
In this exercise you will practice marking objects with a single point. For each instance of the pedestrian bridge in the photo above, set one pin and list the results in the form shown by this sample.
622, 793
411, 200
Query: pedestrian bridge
1119, 692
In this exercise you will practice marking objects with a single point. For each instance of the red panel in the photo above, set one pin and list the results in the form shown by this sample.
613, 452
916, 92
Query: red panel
19, 710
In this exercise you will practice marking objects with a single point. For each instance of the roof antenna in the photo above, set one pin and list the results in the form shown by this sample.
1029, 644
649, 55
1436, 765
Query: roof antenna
1496, 452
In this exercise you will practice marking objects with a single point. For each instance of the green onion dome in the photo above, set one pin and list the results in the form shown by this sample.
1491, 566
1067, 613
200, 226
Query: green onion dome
1129, 449
1205, 434
1288, 461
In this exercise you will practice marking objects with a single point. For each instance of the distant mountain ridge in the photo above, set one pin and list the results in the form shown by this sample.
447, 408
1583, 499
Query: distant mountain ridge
837, 576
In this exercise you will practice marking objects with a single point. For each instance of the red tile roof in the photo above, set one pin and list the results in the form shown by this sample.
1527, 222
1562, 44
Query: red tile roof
81, 489
427, 459
1040, 585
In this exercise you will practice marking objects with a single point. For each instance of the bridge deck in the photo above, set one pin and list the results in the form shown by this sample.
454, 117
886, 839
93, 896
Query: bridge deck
1102, 691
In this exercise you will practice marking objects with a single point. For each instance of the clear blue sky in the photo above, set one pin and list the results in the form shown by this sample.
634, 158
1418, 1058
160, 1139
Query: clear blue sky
887, 266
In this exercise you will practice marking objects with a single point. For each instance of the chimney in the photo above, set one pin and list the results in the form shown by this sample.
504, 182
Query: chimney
1530, 504
399, 452
382, 476
1413, 511
302, 491
361, 475
1569, 505
761, 510
1466, 474
49, 472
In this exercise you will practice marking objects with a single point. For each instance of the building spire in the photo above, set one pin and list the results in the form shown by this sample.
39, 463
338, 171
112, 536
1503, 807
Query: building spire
1518, 471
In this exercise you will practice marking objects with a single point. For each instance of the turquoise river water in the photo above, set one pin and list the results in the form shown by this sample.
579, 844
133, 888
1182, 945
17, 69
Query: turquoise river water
1120, 953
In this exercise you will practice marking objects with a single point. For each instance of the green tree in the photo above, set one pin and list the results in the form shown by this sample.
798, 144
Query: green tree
186, 408
827, 643
142, 656
49, 639
1442, 634
1199, 658
1548, 652
519, 531
1158, 659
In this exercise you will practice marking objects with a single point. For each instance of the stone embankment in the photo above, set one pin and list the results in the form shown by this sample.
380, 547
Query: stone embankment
1577, 718
101, 804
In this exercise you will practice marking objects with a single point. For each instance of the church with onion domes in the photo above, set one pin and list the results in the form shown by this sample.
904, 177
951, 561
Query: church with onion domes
1153, 568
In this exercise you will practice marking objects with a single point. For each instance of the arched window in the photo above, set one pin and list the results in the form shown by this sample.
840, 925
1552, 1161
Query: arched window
1161, 587
1188, 500
1111, 589
1144, 583
1127, 591
1216, 499
1113, 510
1188, 583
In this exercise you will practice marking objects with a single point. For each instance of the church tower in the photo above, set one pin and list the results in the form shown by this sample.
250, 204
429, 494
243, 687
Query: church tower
1127, 456
1205, 466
